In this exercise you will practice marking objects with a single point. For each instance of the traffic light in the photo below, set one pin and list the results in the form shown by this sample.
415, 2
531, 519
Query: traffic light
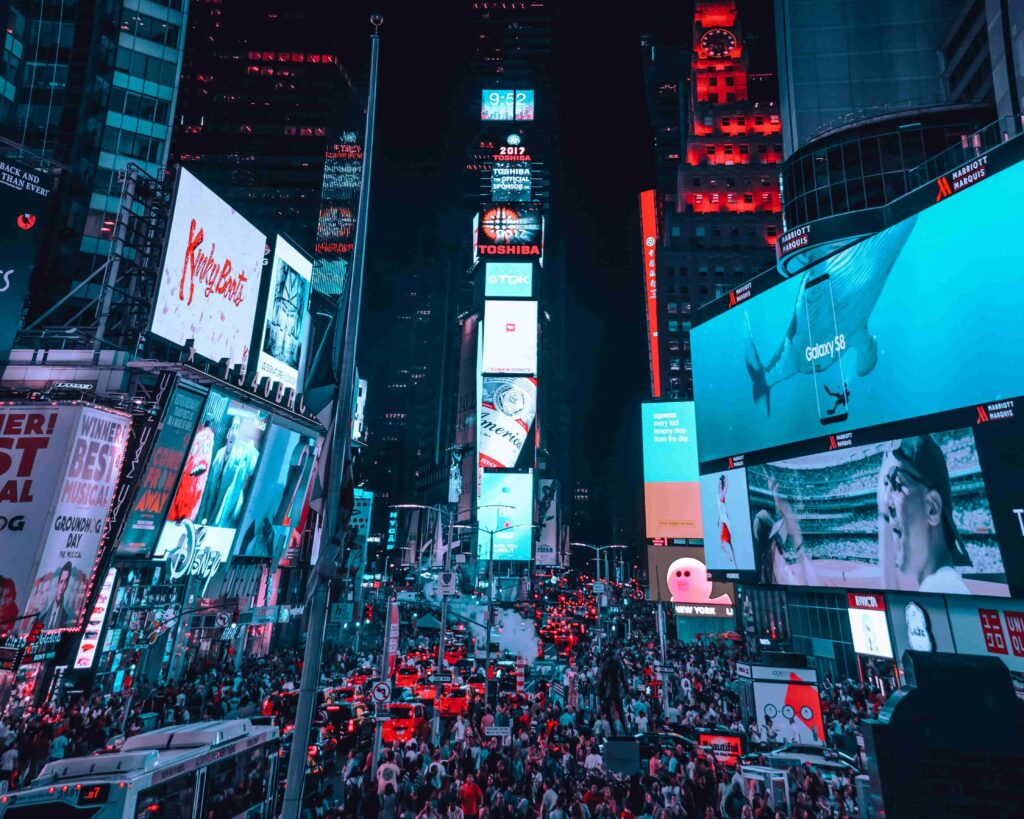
234, 617
368, 612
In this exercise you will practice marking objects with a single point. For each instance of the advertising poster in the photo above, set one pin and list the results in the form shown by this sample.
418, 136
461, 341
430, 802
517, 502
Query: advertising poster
79, 518
89, 645
511, 181
919, 622
671, 483
160, 476
284, 334
216, 478
649, 228
547, 519
339, 206
24, 202
869, 625
466, 411
677, 575
909, 514
992, 628
511, 230
508, 498
790, 705
210, 285
34, 444
510, 337
508, 280
725, 510
507, 410
848, 343
273, 510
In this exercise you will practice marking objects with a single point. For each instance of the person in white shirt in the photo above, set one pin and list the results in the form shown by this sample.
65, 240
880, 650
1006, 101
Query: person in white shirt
594, 760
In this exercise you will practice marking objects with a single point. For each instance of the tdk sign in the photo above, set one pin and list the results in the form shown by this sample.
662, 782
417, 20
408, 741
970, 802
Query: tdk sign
504, 279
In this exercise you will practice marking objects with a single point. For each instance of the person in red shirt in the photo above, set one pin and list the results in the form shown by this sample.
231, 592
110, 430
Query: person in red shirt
470, 797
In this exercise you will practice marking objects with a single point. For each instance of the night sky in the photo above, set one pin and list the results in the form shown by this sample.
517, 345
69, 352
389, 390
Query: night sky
607, 158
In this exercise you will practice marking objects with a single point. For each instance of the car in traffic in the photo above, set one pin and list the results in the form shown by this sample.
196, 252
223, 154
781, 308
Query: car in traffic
405, 721
454, 700
407, 676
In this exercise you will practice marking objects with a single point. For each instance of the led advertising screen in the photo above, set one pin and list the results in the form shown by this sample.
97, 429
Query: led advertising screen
281, 340
216, 478
850, 342
677, 575
24, 202
339, 204
990, 628
649, 230
869, 625
273, 511
511, 181
506, 105
508, 280
786, 701
213, 265
59, 467
547, 519
160, 476
725, 510
919, 622
511, 230
510, 337
507, 410
671, 488
506, 507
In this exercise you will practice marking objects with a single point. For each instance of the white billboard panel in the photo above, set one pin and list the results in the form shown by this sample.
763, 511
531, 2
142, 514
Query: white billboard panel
210, 282
510, 337
281, 343
790, 706
507, 409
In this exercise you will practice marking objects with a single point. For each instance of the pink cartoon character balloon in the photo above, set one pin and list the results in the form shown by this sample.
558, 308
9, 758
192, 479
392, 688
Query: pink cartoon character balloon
688, 582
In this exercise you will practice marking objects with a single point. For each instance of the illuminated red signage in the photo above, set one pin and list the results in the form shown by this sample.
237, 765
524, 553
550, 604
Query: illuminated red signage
726, 749
649, 229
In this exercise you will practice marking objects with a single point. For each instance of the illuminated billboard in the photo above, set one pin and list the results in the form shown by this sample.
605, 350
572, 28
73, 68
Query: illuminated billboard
649, 232
506, 508
725, 510
872, 334
507, 409
869, 625
786, 702
548, 513
671, 488
510, 337
59, 467
506, 105
677, 575
207, 508
508, 280
511, 181
510, 230
281, 341
210, 284
339, 204
272, 513
160, 476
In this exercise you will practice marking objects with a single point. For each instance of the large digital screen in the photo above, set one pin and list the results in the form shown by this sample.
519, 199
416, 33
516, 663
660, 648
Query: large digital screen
507, 409
508, 280
510, 230
915, 320
506, 508
272, 514
786, 702
868, 625
210, 284
671, 488
160, 477
649, 231
339, 203
989, 628
505, 105
510, 337
59, 467
511, 181
919, 622
216, 479
548, 512
725, 510
282, 340
677, 575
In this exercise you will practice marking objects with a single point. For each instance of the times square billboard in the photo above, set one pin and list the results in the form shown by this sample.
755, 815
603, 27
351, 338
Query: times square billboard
863, 417
509, 231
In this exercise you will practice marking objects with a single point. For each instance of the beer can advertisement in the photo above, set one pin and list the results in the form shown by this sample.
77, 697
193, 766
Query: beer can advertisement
507, 410
210, 283
283, 335
160, 478
671, 483
59, 468
215, 480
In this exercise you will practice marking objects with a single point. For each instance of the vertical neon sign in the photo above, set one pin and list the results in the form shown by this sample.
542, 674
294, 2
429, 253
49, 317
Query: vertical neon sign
649, 229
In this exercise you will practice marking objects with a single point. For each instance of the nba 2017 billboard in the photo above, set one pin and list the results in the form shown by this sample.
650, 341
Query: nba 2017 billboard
917, 319
671, 489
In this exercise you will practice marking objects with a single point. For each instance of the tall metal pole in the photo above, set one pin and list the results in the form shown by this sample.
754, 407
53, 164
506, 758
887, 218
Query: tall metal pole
436, 732
490, 618
335, 524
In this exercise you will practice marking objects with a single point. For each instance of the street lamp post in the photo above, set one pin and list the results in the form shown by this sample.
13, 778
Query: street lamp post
598, 550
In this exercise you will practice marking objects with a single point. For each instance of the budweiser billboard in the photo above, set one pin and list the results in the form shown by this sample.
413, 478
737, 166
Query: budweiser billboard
507, 409
210, 284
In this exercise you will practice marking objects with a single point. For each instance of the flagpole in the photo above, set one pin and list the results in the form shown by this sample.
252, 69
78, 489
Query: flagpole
335, 515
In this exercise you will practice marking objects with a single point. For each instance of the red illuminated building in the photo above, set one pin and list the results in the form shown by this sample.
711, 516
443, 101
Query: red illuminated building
719, 221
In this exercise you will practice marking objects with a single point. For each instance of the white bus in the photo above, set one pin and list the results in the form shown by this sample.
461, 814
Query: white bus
213, 770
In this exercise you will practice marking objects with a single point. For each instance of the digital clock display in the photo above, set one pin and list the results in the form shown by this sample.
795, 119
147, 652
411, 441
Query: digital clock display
506, 105
93, 794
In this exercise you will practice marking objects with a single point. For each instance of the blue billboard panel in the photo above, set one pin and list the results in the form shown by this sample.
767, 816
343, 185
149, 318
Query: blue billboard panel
509, 280
506, 508
918, 319
671, 489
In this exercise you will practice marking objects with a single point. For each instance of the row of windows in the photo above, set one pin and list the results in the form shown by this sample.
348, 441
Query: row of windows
732, 197
744, 150
136, 146
145, 67
139, 106
149, 28
703, 270
730, 182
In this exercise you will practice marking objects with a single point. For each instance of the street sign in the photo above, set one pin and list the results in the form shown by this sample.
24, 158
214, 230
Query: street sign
381, 692
599, 587
447, 584
498, 731
223, 618
440, 678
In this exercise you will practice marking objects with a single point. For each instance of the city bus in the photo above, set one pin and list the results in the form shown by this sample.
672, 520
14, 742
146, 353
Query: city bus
215, 770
